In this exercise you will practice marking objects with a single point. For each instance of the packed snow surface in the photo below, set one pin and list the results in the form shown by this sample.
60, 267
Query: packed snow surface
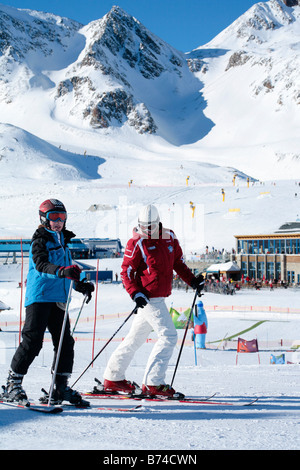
240, 138
270, 423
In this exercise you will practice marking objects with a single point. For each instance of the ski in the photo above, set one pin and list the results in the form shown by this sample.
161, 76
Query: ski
122, 410
99, 392
33, 407
200, 401
120, 396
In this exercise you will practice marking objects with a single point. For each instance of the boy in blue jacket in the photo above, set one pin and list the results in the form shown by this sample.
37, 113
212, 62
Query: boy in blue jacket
48, 282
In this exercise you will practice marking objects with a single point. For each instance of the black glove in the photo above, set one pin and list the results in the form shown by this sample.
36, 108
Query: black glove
70, 272
85, 288
140, 300
198, 283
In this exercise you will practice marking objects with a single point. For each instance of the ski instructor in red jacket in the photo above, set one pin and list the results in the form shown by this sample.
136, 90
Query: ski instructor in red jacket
150, 257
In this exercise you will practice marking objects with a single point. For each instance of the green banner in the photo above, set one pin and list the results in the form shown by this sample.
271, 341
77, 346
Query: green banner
228, 338
180, 319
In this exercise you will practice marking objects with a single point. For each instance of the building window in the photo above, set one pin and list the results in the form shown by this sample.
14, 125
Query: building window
270, 270
260, 269
241, 246
277, 270
291, 276
294, 245
287, 248
252, 272
244, 268
277, 246
271, 246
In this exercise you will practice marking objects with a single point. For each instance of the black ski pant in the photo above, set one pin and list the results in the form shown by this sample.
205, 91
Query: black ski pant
40, 316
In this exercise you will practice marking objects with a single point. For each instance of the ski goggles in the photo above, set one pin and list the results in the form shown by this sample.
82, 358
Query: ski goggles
57, 216
149, 229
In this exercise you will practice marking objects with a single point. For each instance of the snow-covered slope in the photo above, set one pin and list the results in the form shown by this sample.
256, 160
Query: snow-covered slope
35, 159
270, 424
251, 85
87, 109
106, 117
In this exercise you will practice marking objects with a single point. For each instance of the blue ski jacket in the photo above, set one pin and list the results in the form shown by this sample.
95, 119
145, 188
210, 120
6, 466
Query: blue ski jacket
48, 252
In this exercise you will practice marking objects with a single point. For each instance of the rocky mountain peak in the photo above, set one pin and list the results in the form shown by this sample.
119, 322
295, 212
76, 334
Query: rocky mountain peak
23, 31
122, 35
124, 53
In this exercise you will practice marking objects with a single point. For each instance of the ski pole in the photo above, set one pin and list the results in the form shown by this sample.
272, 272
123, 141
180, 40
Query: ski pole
195, 350
79, 313
184, 336
62, 333
106, 344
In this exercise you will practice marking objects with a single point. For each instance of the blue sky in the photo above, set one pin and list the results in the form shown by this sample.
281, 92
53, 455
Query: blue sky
184, 24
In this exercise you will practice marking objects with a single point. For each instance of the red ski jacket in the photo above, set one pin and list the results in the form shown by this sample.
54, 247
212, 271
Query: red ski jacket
148, 264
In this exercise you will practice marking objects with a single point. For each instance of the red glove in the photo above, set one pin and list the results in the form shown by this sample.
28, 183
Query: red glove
70, 272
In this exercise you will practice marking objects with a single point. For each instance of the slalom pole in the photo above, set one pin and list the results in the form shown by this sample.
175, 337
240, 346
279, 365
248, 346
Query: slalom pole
185, 333
62, 333
195, 350
21, 298
79, 313
106, 344
96, 303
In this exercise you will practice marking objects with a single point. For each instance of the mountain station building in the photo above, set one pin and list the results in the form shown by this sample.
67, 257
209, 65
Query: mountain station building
271, 256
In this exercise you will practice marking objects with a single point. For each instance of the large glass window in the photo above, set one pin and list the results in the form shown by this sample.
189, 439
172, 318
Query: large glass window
271, 246
270, 270
242, 246
244, 268
251, 269
291, 276
288, 246
277, 246
277, 270
260, 269
294, 245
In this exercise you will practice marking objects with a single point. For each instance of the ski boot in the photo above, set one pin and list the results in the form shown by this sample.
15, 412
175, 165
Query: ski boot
13, 391
163, 390
62, 392
121, 386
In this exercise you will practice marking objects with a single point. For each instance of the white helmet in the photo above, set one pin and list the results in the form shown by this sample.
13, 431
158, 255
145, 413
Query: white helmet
148, 219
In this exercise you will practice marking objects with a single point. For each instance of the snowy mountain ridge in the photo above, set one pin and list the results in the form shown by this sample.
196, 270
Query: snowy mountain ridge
107, 69
252, 69
114, 73
268, 36
89, 108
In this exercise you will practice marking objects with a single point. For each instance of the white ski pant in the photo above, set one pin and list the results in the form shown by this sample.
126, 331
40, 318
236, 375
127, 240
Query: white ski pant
154, 316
